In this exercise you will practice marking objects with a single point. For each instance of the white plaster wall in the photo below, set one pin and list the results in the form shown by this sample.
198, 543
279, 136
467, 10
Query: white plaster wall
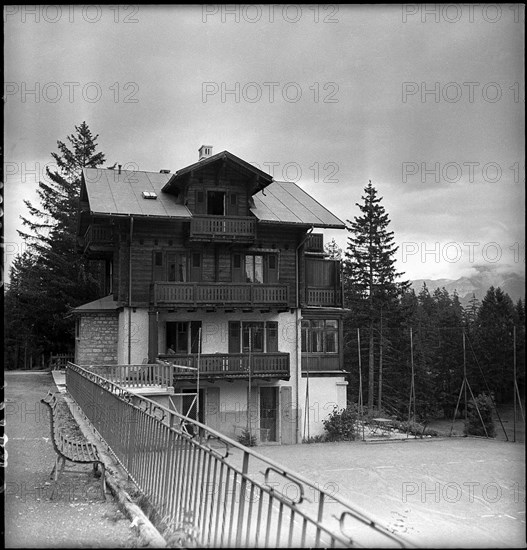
231, 418
139, 336
324, 394
215, 329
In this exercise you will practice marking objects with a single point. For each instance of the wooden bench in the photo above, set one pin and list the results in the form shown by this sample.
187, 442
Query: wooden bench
80, 452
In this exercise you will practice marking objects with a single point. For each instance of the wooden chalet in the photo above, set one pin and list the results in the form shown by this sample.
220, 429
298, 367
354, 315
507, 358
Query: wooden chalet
219, 265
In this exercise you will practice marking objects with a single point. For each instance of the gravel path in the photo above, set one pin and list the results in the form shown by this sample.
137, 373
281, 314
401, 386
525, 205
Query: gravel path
77, 517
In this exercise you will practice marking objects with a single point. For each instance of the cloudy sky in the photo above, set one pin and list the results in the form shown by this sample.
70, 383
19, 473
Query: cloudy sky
429, 105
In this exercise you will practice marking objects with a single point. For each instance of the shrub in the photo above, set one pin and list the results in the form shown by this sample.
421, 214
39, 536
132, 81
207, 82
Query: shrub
473, 425
247, 439
340, 425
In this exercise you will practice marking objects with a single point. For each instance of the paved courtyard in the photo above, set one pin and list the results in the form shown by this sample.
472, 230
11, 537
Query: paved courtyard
446, 493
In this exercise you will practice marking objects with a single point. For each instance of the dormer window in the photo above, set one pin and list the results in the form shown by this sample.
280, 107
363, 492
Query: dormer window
216, 203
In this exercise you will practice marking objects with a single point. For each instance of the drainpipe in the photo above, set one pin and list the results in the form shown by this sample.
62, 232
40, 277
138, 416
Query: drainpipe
298, 321
130, 292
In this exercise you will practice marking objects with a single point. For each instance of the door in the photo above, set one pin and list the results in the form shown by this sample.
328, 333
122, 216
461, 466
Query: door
268, 414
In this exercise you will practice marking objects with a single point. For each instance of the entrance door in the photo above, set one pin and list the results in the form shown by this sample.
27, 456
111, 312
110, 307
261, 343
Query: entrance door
268, 414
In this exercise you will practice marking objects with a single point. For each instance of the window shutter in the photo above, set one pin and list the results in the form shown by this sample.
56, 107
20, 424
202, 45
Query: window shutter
158, 266
234, 336
237, 268
200, 202
272, 268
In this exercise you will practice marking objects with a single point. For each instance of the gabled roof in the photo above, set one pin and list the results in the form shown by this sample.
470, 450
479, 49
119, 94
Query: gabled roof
122, 194
258, 175
286, 202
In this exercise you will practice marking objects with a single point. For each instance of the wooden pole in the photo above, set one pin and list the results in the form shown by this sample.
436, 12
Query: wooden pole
361, 406
412, 384
197, 378
465, 377
249, 427
379, 404
514, 380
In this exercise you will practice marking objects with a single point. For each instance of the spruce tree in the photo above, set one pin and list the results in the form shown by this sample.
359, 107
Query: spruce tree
370, 278
53, 276
494, 342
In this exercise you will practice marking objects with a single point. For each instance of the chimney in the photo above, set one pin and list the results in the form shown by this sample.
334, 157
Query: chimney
205, 151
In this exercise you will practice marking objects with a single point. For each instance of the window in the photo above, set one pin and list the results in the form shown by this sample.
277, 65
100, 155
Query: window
320, 336
254, 268
183, 336
216, 203
255, 336
177, 267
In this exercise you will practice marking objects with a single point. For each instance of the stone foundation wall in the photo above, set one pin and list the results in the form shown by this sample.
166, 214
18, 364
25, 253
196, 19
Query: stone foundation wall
96, 343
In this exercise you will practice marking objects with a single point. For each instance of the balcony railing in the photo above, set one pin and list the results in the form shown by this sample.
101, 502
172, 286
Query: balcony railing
222, 228
323, 297
98, 237
230, 365
315, 243
136, 376
321, 363
205, 294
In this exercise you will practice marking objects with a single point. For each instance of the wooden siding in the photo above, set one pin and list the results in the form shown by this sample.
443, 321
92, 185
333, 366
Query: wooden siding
168, 237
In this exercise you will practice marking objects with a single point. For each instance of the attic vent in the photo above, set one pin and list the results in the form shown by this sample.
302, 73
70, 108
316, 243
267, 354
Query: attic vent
164, 171
149, 195
205, 151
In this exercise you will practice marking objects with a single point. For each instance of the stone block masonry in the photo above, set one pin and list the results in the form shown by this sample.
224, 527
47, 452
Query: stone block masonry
97, 339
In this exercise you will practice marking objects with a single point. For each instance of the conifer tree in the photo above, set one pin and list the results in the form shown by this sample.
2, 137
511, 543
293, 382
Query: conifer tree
370, 278
53, 276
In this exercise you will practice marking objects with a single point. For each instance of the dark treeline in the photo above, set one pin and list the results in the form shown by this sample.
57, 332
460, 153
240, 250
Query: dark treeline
428, 334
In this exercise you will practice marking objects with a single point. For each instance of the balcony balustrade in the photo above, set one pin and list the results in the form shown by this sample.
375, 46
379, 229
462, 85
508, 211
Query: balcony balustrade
321, 362
230, 365
222, 228
98, 237
323, 297
220, 294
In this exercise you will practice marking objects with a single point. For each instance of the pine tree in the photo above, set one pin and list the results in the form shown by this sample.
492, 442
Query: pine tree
52, 276
370, 285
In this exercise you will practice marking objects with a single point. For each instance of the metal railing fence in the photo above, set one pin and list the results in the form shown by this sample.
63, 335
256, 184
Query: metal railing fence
219, 492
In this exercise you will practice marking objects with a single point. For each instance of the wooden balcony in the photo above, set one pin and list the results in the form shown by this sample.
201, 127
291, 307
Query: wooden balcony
323, 297
98, 238
230, 365
220, 294
222, 229
320, 362
137, 376
314, 243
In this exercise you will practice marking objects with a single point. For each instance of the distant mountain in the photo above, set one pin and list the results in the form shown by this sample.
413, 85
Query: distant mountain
511, 283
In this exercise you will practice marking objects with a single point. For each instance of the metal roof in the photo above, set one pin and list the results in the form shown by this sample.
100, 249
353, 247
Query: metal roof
112, 193
102, 304
122, 194
286, 202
